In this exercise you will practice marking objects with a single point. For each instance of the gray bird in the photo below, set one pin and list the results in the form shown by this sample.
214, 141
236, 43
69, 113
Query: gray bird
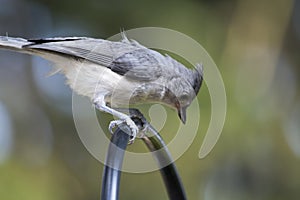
116, 74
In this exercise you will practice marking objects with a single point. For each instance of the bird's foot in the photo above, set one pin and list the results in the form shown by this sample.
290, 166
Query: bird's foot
140, 121
133, 127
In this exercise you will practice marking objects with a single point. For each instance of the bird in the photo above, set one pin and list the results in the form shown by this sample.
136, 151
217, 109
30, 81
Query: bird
114, 74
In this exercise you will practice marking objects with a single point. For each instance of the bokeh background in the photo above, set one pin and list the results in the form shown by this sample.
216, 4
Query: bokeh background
255, 44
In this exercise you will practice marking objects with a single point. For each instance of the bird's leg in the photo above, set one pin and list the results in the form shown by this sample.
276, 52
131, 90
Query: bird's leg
100, 104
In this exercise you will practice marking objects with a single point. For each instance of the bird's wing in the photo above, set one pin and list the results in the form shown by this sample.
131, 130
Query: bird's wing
138, 64
94, 50
124, 58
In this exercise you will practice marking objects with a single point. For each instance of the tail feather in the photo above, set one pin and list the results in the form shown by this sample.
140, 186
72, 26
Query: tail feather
20, 45
14, 44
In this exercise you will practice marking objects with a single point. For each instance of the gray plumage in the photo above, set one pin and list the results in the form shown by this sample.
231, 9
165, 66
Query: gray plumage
113, 74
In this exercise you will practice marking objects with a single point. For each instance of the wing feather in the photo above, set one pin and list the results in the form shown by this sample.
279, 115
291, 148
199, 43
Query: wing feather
124, 58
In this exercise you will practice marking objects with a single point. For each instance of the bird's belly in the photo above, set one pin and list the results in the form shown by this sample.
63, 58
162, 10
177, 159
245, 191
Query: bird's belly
89, 79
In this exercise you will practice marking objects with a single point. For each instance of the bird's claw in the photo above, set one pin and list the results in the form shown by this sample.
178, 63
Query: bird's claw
113, 124
134, 129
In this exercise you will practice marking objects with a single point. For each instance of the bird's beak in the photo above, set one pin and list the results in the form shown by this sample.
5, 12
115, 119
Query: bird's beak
182, 114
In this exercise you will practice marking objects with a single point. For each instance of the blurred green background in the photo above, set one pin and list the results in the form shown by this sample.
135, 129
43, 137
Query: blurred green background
255, 44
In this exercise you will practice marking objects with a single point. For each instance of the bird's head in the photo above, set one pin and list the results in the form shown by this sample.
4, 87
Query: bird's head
184, 88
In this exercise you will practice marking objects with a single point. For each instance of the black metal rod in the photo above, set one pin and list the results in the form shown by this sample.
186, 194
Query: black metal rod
113, 165
155, 143
168, 172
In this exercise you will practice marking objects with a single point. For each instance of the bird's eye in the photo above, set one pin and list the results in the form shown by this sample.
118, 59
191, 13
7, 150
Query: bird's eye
184, 97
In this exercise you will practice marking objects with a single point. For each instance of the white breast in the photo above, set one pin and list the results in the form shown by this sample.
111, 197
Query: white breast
89, 79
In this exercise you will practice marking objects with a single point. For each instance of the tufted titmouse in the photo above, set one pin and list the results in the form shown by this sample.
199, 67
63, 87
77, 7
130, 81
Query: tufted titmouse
116, 74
